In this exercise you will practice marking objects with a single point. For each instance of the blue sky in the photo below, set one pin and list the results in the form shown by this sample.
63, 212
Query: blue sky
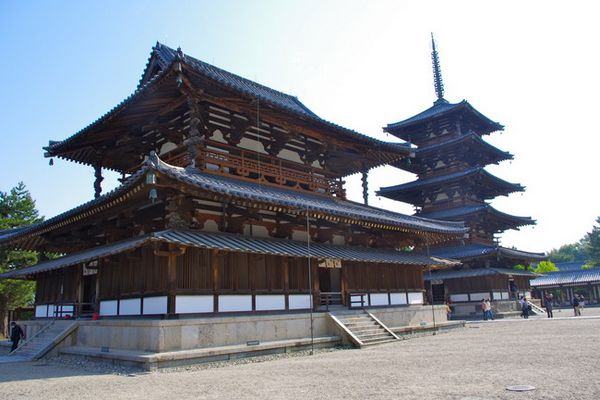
530, 66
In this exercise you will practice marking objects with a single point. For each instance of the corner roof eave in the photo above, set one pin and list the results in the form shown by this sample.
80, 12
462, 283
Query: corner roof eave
313, 203
439, 110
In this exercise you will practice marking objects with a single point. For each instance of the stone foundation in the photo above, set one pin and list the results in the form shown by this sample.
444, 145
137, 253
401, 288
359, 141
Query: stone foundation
162, 335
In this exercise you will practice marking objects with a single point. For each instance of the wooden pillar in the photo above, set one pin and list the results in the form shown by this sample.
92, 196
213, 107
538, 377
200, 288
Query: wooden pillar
78, 284
97, 289
365, 187
216, 282
171, 279
285, 261
315, 283
98, 181
344, 284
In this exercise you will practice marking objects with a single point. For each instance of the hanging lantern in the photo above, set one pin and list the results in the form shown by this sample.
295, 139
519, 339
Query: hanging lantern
153, 195
150, 178
51, 162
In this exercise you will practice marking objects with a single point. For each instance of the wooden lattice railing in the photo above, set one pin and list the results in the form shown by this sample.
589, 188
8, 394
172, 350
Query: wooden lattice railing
252, 166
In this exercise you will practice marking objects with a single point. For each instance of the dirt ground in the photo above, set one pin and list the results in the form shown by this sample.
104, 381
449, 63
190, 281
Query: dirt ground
560, 357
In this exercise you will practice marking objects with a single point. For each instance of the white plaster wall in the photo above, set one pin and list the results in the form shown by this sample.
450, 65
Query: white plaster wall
231, 303
415, 298
270, 302
479, 296
379, 299
155, 305
398, 298
299, 301
41, 311
130, 307
459, 297
194, 304
108, 307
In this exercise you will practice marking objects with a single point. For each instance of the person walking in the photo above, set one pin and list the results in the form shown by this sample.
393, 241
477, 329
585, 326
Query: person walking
488, 309
448, 310
525, 308
16, 334
548, 303
484, 309
575, 303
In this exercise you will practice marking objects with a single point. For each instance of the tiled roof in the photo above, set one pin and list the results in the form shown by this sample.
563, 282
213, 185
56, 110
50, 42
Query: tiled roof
569, 266
504, 155
473, 273
482, 250
235, 243
167, 56
440, 108
301, 200
446, 178
460, 212
568, 278
241, 190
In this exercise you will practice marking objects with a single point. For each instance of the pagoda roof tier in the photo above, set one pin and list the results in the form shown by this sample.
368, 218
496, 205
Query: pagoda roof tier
243, 192
237, 244
487, 185
478, 153
475, 273
160, 93
507, 221
475, 250
442, 108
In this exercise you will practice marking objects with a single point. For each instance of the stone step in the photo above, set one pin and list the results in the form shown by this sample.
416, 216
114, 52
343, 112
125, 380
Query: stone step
359, 332
374, 336
382, 341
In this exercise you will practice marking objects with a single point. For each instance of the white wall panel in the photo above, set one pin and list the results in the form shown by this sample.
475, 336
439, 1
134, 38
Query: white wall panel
299, 301
479, 296
356, 300
130, 307
230, 303
497, 295
155, 305
459, 297
505, 296
194, 304
398, 298
41, 311
379, 299
270, 302
415, 298
108, 308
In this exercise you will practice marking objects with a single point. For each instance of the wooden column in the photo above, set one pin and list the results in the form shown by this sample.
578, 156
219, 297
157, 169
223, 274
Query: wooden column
286, 280
344, 284
172, 279
214, 267
365, 187
78, 289
172, 254
98, 181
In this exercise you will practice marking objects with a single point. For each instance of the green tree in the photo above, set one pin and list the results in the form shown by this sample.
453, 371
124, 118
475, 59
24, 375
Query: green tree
521, 267
544, 267
17, 209
592, 245
568, 252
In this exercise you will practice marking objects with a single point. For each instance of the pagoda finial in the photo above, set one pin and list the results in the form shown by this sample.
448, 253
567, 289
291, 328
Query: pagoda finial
437, 73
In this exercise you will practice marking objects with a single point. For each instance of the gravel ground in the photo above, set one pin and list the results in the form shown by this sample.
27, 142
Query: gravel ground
560, 357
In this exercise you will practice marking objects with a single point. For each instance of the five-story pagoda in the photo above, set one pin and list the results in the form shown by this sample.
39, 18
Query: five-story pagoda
453, 185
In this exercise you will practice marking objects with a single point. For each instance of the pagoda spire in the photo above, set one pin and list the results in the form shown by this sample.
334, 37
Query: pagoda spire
437, 73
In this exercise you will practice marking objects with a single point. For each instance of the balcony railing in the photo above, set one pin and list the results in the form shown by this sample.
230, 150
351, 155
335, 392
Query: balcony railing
252, 166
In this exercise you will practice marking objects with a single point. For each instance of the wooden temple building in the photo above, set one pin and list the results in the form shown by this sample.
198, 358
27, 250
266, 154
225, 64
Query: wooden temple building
232, 202
452, 184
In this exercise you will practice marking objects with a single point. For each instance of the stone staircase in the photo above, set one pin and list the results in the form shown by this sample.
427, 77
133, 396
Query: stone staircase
536, 309
363, 328
43, 341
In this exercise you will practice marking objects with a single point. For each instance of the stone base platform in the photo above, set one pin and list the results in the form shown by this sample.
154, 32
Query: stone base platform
152, 361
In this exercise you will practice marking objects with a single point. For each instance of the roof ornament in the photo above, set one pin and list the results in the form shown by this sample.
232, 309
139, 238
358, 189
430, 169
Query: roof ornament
437, 73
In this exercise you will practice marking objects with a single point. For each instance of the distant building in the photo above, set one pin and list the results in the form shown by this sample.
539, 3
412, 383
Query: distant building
453, 185
570, 279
